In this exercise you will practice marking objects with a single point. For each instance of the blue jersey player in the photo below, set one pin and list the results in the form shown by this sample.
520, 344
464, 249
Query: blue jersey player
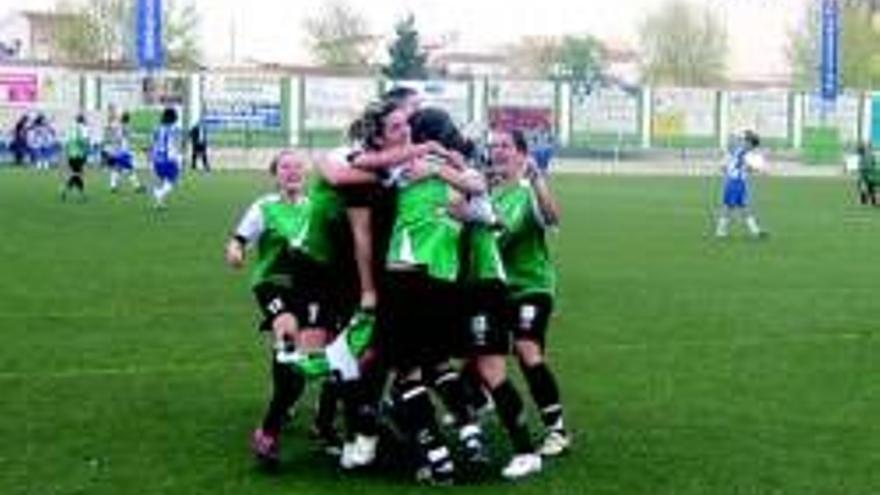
744, 159
117, 147
165, 155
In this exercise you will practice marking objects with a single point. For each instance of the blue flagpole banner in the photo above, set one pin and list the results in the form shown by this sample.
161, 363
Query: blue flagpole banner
829, 67
150, 55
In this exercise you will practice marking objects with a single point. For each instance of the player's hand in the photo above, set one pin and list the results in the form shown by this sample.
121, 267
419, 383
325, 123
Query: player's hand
435, 148
533, 173
234, 254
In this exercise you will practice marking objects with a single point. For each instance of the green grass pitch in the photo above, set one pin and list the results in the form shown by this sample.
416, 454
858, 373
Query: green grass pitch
129, 364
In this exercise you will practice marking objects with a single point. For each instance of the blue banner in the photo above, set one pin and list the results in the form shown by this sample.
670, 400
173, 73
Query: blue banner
243, 115
829, 66
148, 31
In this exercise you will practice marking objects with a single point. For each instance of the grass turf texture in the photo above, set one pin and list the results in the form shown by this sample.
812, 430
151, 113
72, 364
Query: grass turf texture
688, 365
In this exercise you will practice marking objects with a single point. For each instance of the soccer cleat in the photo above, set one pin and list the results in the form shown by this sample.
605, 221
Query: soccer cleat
473, 444
439, 470
443, 476
555, 443
266, 448
359, 453
521, 466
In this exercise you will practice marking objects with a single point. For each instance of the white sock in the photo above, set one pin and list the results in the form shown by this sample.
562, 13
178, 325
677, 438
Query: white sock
162, 191
722, 228
114, 179
752, 224
135, 182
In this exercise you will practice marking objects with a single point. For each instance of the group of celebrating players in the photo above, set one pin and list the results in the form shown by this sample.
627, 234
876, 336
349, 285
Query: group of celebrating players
401, 271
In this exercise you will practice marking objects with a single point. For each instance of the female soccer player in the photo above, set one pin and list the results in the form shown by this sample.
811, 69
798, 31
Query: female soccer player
117, 147
744, 159
290, 279
528, 209
166, 157
77, 149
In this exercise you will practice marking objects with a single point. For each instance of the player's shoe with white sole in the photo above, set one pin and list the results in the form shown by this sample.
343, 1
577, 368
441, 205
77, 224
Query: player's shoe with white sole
266, 447
521, 466
359, 453
555, 443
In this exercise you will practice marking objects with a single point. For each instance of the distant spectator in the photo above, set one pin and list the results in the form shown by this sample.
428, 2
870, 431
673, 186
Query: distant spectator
18, 144
198, 138
42, 142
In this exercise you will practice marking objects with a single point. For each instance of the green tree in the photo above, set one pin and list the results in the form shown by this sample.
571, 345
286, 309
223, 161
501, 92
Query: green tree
339, 36
407, 58
533, 56
182, 43
103, 31
802, 52
580, 61
859, 48
91, 32
683, 45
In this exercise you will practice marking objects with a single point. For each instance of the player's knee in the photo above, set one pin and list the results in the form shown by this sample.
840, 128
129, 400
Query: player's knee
529, 352
492, 369
284, 323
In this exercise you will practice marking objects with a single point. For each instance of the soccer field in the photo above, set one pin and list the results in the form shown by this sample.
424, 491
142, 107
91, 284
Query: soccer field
688, 365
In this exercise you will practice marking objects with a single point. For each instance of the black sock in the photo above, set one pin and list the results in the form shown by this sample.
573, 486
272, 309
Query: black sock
510, 410
419, 423
450, 387
544, 390
359, 408
288, 386
327, 402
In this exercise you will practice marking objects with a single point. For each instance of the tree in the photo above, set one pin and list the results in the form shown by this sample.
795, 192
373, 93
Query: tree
683, 45
580, 61
182, 46
91, 32
859, 48
407, 58
103, 31
339, 36
534, 57
873, 6
802, 52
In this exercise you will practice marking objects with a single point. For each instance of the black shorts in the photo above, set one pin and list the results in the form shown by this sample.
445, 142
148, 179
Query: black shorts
418, 320
308, 297
529, 317
76, 164
483, 324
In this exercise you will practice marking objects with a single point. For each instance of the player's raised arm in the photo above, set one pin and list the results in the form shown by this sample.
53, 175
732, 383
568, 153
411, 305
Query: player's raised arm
547, 206
337, 172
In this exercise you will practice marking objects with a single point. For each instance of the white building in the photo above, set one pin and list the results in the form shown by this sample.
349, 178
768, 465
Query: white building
28, 35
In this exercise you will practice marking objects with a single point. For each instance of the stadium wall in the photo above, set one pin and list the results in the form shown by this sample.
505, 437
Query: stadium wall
269, 110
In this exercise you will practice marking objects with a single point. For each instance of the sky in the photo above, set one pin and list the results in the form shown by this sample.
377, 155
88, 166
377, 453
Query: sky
271, 30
